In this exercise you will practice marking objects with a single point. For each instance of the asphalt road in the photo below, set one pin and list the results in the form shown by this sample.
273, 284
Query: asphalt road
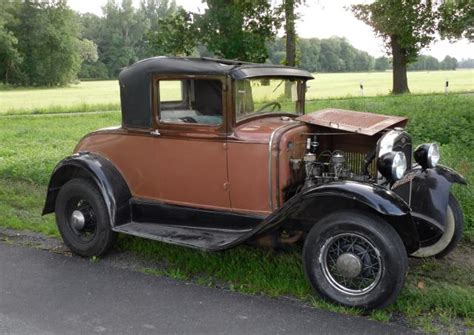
46, 293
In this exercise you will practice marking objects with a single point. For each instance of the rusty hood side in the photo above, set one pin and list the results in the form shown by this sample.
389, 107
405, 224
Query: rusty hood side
356, 122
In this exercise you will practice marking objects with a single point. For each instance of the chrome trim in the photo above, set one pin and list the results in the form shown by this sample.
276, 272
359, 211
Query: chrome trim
270, 168
386, 142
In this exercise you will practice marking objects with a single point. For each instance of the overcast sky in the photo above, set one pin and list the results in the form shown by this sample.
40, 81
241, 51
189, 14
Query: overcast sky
322, 18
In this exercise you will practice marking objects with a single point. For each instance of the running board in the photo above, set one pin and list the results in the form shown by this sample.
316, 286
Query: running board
188, 236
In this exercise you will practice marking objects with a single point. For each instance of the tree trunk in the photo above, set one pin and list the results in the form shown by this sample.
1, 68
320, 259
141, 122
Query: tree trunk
400, 82
290, 39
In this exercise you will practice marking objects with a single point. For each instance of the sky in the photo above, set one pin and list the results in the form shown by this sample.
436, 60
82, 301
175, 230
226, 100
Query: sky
322, 19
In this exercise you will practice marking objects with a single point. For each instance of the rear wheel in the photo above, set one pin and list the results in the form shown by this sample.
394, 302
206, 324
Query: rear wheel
442, 245
355, 259
83, 219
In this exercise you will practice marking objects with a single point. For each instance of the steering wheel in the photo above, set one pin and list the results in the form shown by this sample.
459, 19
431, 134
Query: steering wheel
188, 119
276, 106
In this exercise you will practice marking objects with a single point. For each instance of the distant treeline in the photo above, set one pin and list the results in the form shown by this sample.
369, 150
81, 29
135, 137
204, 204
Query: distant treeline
336, 54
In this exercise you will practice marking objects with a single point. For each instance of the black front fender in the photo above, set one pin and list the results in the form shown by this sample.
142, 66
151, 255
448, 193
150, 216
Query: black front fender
105, 175
314, 203
427, 193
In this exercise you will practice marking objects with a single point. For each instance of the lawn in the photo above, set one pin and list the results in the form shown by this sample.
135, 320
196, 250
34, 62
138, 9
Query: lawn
104, 95
437, 292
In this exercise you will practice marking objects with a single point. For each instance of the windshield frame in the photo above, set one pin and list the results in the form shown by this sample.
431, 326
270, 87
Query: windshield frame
299, 103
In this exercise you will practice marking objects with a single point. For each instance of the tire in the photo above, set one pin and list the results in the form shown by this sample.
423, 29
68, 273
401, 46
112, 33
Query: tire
449, 240
370, 274
83, 219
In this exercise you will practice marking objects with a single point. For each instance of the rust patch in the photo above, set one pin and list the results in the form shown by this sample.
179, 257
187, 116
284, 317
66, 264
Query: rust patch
357, 122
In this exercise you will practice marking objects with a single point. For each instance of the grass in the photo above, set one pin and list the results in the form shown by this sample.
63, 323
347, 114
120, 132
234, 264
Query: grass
30, 146
104, 95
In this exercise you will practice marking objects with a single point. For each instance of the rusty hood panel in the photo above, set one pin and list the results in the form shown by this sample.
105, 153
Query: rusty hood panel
357, 122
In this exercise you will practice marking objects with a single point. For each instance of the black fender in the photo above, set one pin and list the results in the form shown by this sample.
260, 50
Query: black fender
427, 193
316, 202
105, 175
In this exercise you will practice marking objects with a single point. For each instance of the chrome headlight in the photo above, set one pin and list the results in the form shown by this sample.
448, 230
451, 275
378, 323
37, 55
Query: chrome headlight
392, 165
427, 155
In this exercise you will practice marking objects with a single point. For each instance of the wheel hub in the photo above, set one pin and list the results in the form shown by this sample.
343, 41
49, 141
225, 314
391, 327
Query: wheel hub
78, 220
349, 265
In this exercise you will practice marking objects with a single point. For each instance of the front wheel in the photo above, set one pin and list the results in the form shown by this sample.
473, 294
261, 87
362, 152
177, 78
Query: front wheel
355, 259
83, 219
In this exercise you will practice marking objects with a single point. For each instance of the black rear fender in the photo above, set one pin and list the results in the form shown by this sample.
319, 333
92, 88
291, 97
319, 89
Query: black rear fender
103, 173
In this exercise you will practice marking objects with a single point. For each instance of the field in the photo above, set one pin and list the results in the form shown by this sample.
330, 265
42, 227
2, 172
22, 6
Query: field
104, 95
438, 294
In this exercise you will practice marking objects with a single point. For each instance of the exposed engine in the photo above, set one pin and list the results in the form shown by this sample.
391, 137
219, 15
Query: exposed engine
328, 166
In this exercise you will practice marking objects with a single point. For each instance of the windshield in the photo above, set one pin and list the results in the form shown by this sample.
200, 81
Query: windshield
266, 95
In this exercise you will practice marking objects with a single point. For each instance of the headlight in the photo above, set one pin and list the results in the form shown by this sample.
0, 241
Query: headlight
427, 155
392, 165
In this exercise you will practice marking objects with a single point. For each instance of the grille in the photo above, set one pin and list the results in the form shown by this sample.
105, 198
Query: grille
355, 161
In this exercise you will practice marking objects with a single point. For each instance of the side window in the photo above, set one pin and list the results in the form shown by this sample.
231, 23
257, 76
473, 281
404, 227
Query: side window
190, 101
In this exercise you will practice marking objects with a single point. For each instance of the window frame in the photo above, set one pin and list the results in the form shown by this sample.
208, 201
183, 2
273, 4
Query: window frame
189, 127
300, 103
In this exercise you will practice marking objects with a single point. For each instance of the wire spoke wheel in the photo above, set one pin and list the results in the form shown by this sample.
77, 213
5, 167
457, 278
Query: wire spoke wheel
351, 263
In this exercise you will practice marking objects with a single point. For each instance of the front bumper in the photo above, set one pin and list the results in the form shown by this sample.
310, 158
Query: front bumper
427, 194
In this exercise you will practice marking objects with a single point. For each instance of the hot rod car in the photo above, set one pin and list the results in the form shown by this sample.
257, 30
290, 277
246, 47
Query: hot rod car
214, 153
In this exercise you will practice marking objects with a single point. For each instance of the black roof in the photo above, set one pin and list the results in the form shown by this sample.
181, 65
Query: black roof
237, 69
135, 88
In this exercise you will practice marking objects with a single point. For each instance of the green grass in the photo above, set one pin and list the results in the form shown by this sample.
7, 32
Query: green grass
30, 146
104, 95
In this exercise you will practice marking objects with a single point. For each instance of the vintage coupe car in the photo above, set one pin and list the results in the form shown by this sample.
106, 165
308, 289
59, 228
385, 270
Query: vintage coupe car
215, 153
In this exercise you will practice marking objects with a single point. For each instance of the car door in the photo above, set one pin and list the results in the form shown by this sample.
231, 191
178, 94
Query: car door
190, 163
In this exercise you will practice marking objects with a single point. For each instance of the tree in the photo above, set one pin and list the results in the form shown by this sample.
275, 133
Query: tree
457, 19
310, 54
381, 63
47, 41
10, 58
333, 54
424, 63
466, 63
238, 29
121, 33
178, 35
449, 63
156, 14
407, 26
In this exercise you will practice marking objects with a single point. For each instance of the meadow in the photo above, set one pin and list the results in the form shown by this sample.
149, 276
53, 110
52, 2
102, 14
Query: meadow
104, 95
31, 145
